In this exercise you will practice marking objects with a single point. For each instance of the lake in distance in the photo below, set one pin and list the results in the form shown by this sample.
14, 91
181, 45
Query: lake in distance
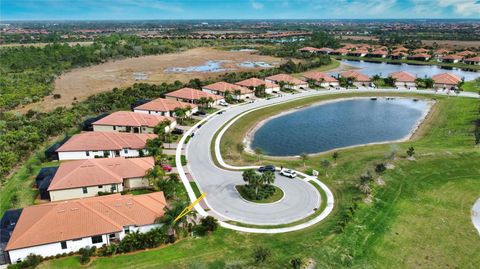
344, 123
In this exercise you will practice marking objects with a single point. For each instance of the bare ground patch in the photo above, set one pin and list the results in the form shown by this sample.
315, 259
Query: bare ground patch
452, 44
83, 82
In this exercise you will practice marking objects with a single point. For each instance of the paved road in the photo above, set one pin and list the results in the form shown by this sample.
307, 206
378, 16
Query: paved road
224, 202
476, 215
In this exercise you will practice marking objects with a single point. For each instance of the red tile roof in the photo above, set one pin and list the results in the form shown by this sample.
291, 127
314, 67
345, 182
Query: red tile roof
466, 53
420, 55
403, 76
94, 172
255, 82
79, 218
359, 77
379, 52
325, 49
473, 59
446, 78
127, 118
308, 49
452, 57
319, 76
341, 51
225, 86
420, 50
164, 105
192, 94
441, 51
286, 78
105, 141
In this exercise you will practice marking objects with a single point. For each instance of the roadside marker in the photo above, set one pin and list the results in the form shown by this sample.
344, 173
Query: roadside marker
189, 208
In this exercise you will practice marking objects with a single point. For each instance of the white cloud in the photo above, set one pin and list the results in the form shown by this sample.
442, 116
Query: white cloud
256, 5
462, 7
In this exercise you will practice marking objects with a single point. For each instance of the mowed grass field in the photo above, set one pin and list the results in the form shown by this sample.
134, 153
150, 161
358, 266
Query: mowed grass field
420, 218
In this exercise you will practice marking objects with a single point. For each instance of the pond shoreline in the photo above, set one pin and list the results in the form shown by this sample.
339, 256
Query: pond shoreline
247, 141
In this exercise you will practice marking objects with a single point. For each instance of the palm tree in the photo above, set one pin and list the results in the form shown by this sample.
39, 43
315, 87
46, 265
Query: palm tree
258, 152
325, 165
210, 101
237, 93
304, 158
268, 177
390, 81
154, 174
171, 213
253, 179
335, 156
160, 129
203, 101
179, 114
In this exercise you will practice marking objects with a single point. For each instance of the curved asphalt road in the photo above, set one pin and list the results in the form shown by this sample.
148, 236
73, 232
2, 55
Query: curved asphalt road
223, 200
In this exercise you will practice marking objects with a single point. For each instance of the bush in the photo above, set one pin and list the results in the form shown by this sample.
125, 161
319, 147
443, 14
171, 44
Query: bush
296, 262
86, 253
380, 168
209, 223
260, 254
31, 261
248, 192
57, 96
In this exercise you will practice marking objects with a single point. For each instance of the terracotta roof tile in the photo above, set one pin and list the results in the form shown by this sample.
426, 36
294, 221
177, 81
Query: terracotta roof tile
225, 86
255, 82
446, 78
105, 141
127, 118
79, 218
403, 76
319, 76
164, 105
286, 78
93, 172
359, 77
192, 94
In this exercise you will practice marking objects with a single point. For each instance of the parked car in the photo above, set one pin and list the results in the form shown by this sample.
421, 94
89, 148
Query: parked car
166, 167
200, 113
177, 131
265, 168
223, 103
288, 173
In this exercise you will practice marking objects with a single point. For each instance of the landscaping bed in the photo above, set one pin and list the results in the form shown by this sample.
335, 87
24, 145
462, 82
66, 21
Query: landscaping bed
267, 194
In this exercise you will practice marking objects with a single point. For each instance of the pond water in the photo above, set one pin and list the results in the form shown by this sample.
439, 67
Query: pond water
339, 124
383, 69
207, 67
249, 64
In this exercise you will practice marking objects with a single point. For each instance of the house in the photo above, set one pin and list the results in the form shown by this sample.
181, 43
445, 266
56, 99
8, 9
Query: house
165, 107
377, 54
445, 81
308, 49
420, 57
473, 60
466, 53
451, 58
400, 49
87, 178
193, 96
358, 53
253, 83
325, 50
341, 52
321, 79
398, 55
404, 80
89, 145
420, 51
441, 52
289, 81
349, 46
359, 79
132, 122
64, 227
221, 88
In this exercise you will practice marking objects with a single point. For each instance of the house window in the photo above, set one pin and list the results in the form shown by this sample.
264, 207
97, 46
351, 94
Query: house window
97, 239
100, 186
126, 151
63, 244
85, 190
114, 188
88, 153
114, 128
111, 236
127, 230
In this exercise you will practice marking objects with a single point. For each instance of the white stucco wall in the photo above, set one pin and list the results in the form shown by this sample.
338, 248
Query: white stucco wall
81, 155
151, 112
135, 183
59, 195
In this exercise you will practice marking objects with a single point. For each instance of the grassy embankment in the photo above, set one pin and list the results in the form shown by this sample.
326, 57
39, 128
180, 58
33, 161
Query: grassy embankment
406, 61
420, 218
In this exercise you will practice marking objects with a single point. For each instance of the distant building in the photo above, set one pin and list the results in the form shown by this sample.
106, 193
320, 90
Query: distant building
341, 52
132, 122
451, 58
321, 79
165, 107
466, 53
358, 53
398, 55
404, 80
473, 61
325, 50
360, 80
377, 54
420, 51
64, 227
420, 57
91, 145
253, 83
87, 178
308, 49
290, 82
221, 88
193, 96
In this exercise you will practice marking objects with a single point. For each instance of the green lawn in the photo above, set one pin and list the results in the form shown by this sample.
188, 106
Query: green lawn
420, 218
472, 86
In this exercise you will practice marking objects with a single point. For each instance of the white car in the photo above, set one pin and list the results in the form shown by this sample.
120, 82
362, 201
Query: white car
288, 173
223, 103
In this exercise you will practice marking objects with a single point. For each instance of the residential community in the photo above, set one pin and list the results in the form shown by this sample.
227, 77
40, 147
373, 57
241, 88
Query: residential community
239, 134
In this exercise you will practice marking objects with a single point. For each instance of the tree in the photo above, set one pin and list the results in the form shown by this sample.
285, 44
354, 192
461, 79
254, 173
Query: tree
335, 156
380, 168
259, 153
237, 94
268, 177
253, 179
390, 81
161, 129
325, 165
209, 223
154, 174
410, 151
203, 101
154, 147
180, 114
171, 213
260, 91
260, 254
304, 158
240, 147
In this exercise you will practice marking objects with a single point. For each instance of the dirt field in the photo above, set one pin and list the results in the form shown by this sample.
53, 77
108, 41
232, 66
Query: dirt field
355, 37
83, 82
453, 44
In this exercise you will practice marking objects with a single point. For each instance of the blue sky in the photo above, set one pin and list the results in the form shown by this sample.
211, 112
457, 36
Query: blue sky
235, 9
